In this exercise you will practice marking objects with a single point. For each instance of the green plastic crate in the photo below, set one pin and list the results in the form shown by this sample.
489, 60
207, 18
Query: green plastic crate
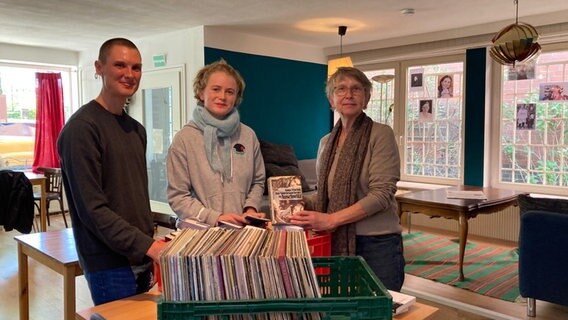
350, 290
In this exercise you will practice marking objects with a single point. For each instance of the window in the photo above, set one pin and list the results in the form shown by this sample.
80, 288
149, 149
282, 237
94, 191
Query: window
430, 142
18, 110
381, 106
433, 122
533, 126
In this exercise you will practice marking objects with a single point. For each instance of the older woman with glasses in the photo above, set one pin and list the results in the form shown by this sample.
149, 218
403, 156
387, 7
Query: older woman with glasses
358, 167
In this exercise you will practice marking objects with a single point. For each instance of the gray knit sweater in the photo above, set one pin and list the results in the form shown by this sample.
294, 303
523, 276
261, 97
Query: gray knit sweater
196, 191
104, 170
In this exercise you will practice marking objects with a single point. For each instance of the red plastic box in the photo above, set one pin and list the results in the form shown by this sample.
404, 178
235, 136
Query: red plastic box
319, 244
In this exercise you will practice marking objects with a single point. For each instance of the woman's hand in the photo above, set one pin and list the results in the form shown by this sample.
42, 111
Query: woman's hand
313, 220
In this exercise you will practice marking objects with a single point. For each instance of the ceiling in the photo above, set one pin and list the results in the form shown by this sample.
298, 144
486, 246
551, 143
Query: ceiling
83, 24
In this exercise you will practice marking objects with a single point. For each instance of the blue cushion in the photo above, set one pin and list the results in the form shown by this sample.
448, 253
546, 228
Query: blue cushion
528, 203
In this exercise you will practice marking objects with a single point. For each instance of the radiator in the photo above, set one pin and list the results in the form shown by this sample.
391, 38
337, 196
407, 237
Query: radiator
501, 225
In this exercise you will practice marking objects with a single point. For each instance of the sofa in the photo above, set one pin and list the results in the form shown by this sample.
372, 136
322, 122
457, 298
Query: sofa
543, 251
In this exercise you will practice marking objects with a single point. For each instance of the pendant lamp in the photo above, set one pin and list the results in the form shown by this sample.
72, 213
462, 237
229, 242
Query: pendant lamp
342, 61
515, 43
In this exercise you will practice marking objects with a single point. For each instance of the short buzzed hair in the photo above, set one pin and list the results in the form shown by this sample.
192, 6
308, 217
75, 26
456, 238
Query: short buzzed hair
107, 45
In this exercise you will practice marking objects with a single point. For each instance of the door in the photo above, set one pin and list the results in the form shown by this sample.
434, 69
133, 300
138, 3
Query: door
159, 106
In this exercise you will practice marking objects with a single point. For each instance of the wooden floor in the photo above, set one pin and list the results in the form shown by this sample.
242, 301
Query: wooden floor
467, 305
46, 292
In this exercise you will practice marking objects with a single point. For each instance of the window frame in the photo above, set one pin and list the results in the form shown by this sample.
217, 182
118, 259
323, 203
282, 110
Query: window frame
69, 75
397, 88
495, 140
401, 101
405, 65
72, 72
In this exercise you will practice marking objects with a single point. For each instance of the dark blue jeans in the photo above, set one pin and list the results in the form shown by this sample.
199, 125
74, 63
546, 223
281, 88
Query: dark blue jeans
384, 254
115, 284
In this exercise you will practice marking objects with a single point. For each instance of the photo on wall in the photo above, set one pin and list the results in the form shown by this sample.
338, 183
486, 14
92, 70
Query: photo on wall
445, 86
522, 71
526, 116
553, 91
416, 79
425, 111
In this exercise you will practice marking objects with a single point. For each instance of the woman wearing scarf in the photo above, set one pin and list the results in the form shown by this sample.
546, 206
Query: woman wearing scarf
358, 167
215, 167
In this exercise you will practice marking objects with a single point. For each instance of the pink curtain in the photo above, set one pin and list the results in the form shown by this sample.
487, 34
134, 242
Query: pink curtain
49, 119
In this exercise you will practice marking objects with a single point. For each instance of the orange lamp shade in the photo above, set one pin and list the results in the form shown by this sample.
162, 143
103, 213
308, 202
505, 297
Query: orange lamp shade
333, 64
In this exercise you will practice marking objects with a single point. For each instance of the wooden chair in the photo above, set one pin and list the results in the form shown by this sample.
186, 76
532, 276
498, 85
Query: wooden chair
53, 191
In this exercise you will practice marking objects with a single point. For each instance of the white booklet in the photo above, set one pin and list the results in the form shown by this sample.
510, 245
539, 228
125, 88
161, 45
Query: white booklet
465, 194
401, 302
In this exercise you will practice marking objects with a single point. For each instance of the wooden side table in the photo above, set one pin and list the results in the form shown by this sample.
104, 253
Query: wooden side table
56, 250
435, 203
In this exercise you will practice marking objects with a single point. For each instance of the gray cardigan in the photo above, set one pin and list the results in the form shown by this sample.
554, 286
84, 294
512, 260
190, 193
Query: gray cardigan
377, 183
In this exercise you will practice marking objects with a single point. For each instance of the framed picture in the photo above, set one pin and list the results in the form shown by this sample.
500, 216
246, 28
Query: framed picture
425, 113
445, 86
416, 79
553, 91
522, 71
526, 116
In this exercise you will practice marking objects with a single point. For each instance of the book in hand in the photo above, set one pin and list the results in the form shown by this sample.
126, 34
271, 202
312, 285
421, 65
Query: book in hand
256, 221
285, 194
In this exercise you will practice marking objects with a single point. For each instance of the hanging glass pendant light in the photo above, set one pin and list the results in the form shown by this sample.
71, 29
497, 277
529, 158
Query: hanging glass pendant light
515, 43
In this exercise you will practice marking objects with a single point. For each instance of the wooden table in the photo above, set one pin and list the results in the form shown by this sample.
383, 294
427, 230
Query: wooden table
434, 203
56, 250
144, 307
39, 180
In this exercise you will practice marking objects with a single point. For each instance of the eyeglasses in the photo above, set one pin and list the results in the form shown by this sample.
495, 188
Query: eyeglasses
341, 90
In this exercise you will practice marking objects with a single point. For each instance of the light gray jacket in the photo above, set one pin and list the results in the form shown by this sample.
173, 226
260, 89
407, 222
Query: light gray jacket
196, 191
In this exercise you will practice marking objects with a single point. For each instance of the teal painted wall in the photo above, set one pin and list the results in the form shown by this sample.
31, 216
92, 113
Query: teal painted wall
284, 100
474, 138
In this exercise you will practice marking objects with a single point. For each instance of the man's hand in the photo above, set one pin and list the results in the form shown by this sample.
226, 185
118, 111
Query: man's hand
155, 249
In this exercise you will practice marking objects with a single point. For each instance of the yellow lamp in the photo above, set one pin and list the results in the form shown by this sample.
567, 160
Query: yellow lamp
334, 64
342, 61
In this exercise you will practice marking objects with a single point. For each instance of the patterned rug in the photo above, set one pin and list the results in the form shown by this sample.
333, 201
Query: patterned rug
488, 270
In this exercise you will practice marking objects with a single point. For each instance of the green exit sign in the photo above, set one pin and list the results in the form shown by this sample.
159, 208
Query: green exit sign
159, 60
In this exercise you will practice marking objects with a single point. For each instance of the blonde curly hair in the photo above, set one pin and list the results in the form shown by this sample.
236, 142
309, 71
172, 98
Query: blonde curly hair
202, 77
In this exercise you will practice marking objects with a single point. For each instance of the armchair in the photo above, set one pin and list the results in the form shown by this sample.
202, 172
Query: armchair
543, 252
